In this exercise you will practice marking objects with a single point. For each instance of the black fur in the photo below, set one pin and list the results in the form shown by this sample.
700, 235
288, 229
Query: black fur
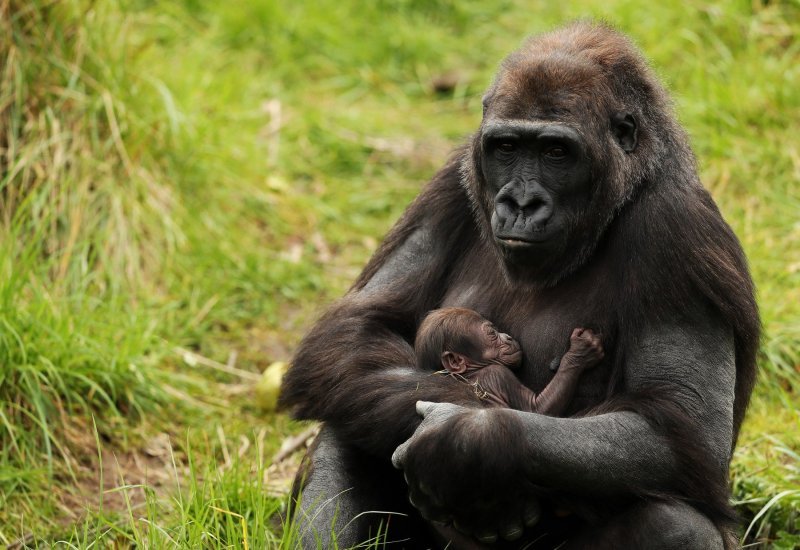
650, 249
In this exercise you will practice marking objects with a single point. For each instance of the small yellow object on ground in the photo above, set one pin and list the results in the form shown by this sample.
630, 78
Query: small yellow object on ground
269, 386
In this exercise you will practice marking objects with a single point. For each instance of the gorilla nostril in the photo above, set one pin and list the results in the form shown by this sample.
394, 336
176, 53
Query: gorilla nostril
506, 205
532, 207
537, 211
506, 210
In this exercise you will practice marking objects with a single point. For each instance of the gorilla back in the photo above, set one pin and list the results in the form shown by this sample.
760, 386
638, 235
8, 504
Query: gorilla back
576, 203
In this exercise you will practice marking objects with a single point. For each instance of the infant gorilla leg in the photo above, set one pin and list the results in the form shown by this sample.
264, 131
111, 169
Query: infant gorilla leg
348, 497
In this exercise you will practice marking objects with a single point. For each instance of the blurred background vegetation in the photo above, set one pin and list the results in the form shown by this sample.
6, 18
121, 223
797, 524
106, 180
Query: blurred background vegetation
185, 185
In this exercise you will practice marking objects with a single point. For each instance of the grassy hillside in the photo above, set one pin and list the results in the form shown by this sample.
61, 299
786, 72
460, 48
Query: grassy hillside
185, 185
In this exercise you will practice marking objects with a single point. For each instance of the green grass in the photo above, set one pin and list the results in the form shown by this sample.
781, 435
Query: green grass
208, 175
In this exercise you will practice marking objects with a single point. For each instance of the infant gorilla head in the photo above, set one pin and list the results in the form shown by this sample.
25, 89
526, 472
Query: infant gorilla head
461, 340
469, 346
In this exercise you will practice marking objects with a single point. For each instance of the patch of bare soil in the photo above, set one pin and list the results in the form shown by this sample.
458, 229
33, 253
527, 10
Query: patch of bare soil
113, 481
117, 480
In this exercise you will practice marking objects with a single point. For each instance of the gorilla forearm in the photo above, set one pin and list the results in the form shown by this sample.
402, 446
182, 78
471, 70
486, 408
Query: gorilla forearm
608, 455
639, 451
599, 455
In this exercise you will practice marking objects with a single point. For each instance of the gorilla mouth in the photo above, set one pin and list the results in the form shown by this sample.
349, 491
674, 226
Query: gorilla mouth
517, 242
514, 242
522, 238
511, 355
520, 232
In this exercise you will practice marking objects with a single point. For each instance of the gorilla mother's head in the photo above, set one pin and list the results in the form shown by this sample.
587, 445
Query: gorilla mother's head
573, 126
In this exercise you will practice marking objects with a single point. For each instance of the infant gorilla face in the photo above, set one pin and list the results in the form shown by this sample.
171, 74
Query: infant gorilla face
497, 347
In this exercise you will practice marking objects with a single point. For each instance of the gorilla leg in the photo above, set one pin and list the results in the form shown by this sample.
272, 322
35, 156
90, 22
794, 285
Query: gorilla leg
345, 496
653, 526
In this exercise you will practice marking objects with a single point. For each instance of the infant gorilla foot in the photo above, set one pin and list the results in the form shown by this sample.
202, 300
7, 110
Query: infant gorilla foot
585, 349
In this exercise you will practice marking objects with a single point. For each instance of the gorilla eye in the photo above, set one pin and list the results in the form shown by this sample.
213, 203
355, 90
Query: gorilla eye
507, 146
556, 152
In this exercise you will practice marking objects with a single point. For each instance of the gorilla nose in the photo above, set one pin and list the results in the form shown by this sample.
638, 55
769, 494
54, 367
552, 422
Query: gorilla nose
532, 209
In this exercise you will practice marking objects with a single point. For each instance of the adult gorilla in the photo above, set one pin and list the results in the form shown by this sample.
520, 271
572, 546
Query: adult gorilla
577, 203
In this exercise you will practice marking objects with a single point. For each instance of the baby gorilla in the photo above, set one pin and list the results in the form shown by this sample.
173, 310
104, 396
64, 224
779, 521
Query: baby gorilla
467, 345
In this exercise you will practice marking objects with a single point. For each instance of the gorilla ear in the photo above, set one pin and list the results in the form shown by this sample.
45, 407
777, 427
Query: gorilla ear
455, 363
624, 128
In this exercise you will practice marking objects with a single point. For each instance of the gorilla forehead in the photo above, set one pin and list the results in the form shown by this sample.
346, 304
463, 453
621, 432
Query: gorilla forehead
574, 71
554, 87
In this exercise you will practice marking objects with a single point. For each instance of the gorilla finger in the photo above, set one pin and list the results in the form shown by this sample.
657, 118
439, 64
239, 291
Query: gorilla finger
425, 407
533, 512
436, 515
512, 532
433, 513
576, 332
399, 456
488, 537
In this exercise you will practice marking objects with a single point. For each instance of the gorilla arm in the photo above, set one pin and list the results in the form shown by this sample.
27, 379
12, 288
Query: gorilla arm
672, 435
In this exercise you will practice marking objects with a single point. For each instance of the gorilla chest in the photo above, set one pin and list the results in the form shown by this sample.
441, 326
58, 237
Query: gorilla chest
542, 324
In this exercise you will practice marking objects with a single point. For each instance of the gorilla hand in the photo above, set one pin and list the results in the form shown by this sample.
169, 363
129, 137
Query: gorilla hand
462, 467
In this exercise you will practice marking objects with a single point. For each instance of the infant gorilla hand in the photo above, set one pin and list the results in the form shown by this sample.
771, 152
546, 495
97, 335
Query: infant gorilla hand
585, 349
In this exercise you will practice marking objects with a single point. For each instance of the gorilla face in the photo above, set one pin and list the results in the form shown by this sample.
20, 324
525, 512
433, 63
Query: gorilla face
550, 168
554, 161
538, 172
539, 175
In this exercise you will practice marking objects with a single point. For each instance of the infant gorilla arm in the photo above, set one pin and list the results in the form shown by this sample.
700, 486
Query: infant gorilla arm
466, 344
